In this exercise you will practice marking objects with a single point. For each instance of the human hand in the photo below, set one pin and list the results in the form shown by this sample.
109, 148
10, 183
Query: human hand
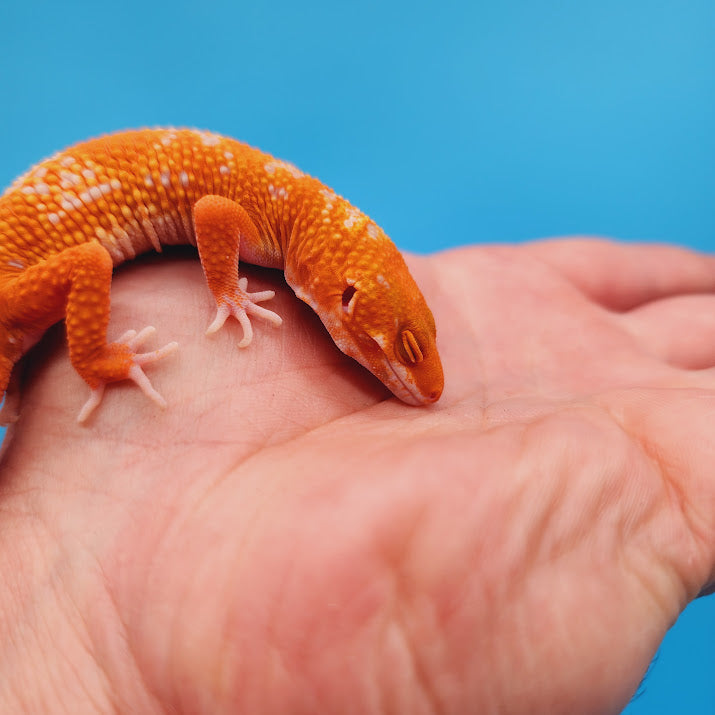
288, 538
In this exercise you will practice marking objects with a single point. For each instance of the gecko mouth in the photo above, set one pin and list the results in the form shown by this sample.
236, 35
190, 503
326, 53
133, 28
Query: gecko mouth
381, 366
406, 392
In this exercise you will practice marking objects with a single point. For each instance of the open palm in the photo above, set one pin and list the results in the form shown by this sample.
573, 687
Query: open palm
287, 538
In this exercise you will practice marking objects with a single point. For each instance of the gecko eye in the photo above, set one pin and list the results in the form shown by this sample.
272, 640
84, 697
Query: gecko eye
348, 299
408, 349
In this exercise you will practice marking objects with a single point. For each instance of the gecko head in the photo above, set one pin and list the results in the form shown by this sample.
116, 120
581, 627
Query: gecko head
378, 316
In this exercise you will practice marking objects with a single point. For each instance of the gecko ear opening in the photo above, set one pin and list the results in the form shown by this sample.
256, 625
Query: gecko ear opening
408, 349
348, 302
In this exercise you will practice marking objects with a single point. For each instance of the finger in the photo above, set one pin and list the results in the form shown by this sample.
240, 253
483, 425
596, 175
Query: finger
621, 276
679, 330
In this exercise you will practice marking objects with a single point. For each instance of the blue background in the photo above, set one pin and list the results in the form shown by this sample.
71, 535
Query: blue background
449, 122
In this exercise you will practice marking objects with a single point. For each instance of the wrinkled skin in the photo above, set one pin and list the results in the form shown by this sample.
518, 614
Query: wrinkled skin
286, 539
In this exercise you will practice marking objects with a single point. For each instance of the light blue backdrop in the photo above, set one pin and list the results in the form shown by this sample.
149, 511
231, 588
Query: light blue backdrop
449, 122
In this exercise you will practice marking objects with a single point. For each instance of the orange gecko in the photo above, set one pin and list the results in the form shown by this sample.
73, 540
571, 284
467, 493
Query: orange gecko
67, 222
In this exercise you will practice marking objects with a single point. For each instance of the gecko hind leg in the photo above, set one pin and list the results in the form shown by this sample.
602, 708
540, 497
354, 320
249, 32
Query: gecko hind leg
75, 285
132, 339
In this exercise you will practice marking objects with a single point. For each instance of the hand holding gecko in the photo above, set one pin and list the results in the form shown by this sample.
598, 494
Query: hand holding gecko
287, 539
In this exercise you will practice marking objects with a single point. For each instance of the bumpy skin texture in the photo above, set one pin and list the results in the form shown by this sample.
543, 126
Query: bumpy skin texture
71, 218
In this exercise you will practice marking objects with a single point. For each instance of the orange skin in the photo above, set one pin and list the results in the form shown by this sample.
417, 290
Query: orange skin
66, 223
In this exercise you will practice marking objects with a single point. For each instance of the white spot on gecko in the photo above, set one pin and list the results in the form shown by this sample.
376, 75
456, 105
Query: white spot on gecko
168, 138
184, 178
53, 218
15, 263
354, 215
94, 192
329, 197
277, 193
165, 179
228, 155
272, 166
67, 161
70, 201
69, 179
223, 169
209, 139
372, 230
148, 181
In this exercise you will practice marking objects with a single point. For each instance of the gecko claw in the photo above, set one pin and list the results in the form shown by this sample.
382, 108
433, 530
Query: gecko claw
136, 375
132, 339
95, 397
222, 313
240, 306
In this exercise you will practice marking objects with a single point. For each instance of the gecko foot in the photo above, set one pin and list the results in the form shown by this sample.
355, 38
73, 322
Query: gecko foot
240, 306
131, 340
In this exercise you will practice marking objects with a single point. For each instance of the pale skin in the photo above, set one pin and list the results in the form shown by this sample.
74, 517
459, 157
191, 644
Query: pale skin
287, 538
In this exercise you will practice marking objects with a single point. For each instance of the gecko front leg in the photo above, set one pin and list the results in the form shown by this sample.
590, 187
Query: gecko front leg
220, 224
